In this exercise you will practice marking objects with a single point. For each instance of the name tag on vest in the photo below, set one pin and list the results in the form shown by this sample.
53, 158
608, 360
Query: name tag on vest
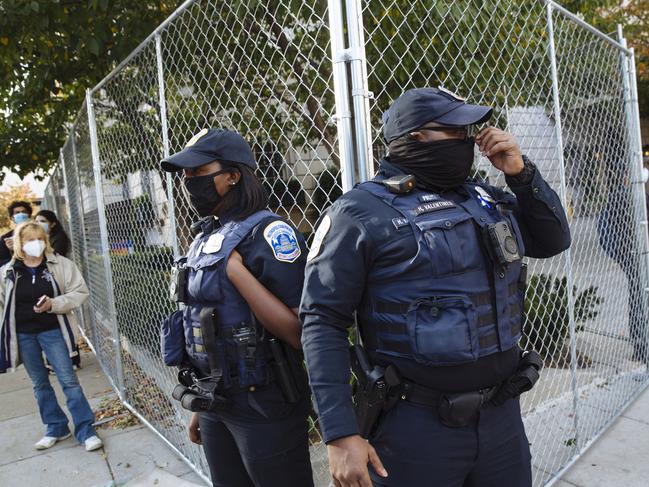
399, 222
433, 206
424, 198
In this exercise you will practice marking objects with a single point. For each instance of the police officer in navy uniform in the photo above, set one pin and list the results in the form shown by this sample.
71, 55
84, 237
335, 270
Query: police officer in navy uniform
429, 264
242, 283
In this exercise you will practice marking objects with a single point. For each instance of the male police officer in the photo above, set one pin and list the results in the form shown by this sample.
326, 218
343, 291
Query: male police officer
431, 266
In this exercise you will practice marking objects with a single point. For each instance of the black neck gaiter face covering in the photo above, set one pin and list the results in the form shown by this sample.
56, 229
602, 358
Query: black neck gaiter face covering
202, 193
437, 166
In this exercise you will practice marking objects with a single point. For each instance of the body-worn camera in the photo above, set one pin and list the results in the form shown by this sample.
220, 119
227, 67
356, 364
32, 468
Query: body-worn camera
178, 284
502, 243
400, 184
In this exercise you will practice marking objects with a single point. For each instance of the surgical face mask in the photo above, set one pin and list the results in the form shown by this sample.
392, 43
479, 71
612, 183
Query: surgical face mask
437, 166
46, 226
20, 218
202, 192
34, 248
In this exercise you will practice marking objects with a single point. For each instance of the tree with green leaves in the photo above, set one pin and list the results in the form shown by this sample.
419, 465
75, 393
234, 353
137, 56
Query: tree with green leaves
260, 66
50, 52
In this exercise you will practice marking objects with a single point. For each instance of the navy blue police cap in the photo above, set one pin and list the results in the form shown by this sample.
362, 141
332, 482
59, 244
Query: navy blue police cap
418, 106
210, 145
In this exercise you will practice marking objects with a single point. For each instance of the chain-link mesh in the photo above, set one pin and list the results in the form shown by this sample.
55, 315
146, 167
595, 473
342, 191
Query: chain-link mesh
498, 53
263, 68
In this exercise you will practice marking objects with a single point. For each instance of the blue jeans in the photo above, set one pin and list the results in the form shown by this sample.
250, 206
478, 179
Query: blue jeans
31, 346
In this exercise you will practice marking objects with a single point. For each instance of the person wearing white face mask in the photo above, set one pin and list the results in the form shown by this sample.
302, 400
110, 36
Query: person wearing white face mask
19, 212
38, 293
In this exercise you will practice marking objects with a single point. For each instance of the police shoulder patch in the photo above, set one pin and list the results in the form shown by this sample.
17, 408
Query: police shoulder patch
318, 238
282, 239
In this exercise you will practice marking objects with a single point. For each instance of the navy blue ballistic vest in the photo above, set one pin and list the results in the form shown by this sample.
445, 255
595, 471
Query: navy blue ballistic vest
209, 286
449, 304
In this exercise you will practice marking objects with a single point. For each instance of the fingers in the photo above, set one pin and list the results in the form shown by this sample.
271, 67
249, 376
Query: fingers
486, 132
490, 137
195, 435
376, 463
500, 147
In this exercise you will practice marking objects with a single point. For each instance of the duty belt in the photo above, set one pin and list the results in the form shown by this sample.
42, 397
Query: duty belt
423, 396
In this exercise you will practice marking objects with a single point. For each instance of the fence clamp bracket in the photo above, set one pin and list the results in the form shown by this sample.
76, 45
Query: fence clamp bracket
364, 93
349, 54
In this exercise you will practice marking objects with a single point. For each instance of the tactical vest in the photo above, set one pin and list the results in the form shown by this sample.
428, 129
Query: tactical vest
449, 304
209, 286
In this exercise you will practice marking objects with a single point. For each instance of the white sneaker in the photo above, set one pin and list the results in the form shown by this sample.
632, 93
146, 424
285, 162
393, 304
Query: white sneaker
49, 441
93, 443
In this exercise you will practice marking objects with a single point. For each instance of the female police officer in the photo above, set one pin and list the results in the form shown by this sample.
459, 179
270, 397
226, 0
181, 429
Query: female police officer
241, 285
431, 266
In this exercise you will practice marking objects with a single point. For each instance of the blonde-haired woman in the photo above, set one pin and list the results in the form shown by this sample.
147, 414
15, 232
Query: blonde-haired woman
38, 291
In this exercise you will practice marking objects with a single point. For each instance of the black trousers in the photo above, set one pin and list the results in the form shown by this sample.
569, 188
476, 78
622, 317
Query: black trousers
261, 441
417, 450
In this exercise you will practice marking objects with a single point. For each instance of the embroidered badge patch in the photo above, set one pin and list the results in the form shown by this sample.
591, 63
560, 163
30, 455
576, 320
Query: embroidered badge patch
425, 198
282, 239
319, 236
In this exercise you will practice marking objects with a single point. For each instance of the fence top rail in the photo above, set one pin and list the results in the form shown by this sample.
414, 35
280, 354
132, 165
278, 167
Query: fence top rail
582, 23
143, 44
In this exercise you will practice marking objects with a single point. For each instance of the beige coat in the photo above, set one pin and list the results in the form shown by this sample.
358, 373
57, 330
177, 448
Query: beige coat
70, 292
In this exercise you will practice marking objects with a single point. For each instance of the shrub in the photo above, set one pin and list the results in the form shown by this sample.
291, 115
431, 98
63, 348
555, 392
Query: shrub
329, 188
547, 317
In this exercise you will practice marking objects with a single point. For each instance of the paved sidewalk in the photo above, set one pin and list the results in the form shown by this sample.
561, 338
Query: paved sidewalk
620, 456
131, 457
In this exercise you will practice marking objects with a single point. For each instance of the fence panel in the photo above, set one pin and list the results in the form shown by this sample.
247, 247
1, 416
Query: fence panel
264, 68
498, 53
609, 241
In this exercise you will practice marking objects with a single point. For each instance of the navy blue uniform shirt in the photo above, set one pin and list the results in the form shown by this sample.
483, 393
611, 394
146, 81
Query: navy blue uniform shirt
335, 284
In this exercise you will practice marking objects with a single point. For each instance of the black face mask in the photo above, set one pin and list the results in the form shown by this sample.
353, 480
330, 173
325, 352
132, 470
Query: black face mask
202, 192
437, 166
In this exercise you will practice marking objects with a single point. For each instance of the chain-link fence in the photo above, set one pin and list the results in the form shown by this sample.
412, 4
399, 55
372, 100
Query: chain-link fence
306, 84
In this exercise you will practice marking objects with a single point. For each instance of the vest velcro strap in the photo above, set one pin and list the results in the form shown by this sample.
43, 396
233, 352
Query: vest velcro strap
486, 319
513, 289
515, 309
392, 328
392, 308
395, 346
481, 299
488, 340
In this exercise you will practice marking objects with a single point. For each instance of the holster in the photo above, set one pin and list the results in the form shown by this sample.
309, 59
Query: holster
460, 409
198, 394
372, 388
283, 370
523, 380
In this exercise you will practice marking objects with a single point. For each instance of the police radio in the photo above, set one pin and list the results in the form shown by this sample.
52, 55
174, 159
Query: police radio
178, 283
400, 184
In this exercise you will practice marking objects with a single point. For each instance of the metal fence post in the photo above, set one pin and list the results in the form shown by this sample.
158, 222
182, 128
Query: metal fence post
103, 229
341, 92
82, 259
360, 90
72, 231
637, 138
165, 143
564, 196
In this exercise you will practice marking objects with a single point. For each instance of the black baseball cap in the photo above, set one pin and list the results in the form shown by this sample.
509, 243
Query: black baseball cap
209, 145
418, 106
